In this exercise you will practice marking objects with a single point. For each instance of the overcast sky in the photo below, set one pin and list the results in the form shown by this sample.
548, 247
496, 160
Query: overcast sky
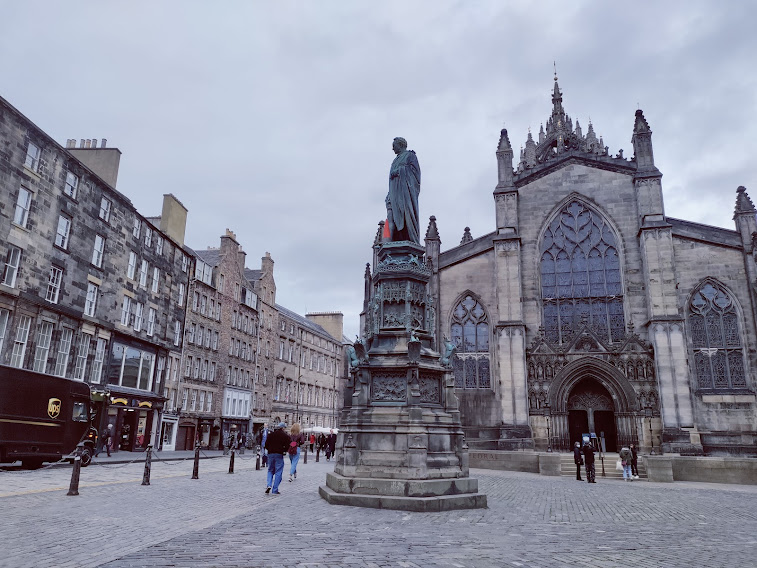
276, 119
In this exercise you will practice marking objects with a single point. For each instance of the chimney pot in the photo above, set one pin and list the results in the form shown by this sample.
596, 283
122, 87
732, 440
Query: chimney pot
94, 142
81, 143
102, 145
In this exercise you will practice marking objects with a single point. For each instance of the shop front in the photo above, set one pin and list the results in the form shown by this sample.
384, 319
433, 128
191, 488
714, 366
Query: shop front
133, 416
232, 428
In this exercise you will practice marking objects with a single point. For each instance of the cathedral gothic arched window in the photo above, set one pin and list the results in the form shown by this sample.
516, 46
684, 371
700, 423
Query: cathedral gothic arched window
580, 276
716, 338
470, 333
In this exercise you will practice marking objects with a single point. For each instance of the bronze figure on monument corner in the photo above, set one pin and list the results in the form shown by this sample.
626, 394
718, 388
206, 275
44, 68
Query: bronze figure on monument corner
402, 200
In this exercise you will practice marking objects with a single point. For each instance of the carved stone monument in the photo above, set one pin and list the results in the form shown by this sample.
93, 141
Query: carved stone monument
400, 443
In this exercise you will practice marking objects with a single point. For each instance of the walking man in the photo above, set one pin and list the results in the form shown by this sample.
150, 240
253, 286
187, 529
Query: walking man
106, 438
589, 459
634, 462
276, 445
578, 458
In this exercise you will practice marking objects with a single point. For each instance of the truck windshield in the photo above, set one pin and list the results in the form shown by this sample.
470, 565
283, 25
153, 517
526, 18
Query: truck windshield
80, 412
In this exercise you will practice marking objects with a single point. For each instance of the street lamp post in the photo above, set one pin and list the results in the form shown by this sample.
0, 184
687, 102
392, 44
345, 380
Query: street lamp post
648, 412
549, 433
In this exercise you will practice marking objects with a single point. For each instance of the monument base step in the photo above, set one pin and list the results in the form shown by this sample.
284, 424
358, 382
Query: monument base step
396, 503
423, 495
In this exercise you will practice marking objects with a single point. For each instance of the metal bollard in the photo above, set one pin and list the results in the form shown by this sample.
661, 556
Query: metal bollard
257, 462
196, 469
318, 455
148, 466
305, 457
231, 461
73, 488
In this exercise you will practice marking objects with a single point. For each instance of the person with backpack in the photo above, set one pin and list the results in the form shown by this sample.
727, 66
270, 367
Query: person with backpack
295, 442
277, 445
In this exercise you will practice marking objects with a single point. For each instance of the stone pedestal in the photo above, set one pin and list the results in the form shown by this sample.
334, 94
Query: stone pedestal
400, 442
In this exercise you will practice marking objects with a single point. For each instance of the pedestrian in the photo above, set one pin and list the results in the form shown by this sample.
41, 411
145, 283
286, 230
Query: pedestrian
625, 461
312, 441
321, 442
277, 445
578, 458
263, 451
634, 462
295, 442
106, 438
589, 459
330, 444
242, 441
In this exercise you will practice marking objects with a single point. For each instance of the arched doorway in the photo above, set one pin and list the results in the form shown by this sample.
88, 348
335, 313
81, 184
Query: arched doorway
590, 395
591, 410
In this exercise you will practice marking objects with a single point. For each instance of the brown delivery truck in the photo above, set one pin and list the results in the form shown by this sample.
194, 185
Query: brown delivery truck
43, 418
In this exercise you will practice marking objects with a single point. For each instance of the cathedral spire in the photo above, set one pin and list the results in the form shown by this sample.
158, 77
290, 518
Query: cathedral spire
467, 237
642, 144
504, 161
432, 233
743, 202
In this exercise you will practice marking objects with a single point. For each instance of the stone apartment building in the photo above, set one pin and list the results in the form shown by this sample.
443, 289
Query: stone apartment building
588, 310
90, 287
309, 368
213, 394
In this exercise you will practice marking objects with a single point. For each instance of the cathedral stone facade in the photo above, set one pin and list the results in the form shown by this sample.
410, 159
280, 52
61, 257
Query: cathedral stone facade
588, 310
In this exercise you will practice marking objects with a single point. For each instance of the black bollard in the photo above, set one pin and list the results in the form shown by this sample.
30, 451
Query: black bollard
231, 461
305, 457
148, 466
257, 462
73, 488
318, 455
196, 469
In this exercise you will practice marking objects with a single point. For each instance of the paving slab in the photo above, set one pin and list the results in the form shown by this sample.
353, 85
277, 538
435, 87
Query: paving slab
226, 520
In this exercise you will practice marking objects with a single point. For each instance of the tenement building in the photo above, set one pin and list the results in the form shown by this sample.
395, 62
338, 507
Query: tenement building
588, 310
309, 368
90, 288
214, 390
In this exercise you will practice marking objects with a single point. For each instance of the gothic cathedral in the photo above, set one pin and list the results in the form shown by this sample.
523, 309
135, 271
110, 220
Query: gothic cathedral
588, 310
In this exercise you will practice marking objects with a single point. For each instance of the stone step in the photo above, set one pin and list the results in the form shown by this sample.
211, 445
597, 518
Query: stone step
568, 466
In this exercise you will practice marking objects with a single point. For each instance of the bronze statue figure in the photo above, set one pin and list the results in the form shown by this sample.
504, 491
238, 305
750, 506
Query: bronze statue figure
402, 199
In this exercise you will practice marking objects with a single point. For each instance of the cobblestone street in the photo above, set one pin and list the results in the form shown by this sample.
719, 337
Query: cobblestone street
227, 520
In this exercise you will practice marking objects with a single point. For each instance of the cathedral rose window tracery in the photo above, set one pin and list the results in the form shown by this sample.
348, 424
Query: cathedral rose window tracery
470, 333
716, 338
580, 276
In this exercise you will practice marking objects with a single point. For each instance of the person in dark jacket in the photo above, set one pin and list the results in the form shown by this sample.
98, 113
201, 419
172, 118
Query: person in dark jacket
106, 437
634, 462
330, 445
589, 459
578, 458
277, 445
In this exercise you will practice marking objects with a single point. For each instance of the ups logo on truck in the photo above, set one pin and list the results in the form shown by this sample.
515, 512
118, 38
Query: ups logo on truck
53, 407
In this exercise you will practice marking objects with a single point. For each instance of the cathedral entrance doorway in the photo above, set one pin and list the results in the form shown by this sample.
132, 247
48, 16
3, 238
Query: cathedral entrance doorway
591, 410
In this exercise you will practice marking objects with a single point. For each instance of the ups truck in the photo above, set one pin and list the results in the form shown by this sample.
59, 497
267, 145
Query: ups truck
43, 418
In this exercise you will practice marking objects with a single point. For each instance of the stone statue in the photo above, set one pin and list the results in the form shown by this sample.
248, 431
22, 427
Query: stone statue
449, 351
402, 199
352, 357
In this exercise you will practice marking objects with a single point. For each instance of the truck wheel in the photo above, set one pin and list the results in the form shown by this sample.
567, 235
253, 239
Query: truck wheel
86, 456
31, 463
